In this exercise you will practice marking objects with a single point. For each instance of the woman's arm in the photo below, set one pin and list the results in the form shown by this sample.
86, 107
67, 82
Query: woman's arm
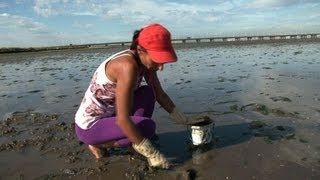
161, 96
124, 72
165, 101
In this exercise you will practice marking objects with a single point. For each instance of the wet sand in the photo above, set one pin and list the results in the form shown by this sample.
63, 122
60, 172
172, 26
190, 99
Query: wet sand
264, 99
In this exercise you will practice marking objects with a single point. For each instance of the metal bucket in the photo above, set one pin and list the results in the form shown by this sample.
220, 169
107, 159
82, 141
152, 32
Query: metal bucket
201, 133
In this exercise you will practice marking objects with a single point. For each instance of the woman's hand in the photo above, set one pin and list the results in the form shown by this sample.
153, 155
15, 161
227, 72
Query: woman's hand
155, 158
179, 117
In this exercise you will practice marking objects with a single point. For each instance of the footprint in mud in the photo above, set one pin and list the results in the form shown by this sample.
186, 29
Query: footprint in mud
271, 132
187, 174
244, 77
76, 79
283, 75
219, 88
232, 91
226, 102
316, 109
211, 65
179, 82
279, 112
78, 92
263, 109
270, 78
34, 91
297, 52
234, 107
62, 96
44, 69
3, 77
20, 97
280, 98
221, 79
232, 80
266, 68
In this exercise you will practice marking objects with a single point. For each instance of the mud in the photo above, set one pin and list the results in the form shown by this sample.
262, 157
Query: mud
263, 99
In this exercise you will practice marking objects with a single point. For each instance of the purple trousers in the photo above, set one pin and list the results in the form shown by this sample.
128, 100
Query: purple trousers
106, 129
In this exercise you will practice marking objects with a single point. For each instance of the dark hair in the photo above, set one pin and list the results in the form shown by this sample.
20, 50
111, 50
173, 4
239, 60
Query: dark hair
134, 42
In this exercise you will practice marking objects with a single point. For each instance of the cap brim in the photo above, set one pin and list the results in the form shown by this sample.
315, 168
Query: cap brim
168, 56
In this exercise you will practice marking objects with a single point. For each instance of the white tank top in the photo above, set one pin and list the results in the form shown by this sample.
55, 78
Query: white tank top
99, 99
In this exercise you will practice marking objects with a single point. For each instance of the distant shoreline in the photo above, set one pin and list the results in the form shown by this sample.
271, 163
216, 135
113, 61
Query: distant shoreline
187, 44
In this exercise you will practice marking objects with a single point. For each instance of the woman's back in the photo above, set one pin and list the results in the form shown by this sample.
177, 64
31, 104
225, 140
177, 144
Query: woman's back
99, 98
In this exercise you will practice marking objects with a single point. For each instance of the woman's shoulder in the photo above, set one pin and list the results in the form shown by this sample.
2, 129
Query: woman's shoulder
124, 53
122, 63
125, 59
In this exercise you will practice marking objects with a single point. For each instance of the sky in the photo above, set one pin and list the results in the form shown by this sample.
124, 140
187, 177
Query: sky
37, 23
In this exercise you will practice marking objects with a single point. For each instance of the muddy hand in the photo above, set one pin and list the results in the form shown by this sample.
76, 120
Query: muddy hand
155, 158
178, 117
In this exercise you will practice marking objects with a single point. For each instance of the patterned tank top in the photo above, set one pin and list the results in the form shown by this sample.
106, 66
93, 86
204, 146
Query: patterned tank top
99, 99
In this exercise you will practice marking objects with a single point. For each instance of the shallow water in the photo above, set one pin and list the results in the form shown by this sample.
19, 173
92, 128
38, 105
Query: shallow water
234, 85
206, 78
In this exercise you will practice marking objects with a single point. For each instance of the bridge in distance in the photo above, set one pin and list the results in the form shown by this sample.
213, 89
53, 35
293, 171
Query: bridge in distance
258, 38
226, 39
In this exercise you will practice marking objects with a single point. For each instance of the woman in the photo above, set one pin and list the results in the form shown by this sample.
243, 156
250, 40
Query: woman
116, 111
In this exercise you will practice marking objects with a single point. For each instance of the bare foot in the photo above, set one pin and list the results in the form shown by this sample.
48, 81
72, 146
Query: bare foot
96, 151
109, 144
99, 150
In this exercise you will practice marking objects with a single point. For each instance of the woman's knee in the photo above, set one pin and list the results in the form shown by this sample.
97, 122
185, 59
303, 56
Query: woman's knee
147, 127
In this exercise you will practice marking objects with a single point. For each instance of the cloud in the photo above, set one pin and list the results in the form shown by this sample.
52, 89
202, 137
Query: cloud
183, 18
23, 31
272, 3
3, 5
14, 22
83, 14
80, 25
279, 3
45, 7
131, 12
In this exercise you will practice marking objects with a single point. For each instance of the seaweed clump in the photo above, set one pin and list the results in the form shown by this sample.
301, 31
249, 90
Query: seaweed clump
256, 124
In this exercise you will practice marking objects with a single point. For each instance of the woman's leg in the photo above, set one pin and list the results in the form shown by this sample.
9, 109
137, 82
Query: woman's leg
105, 133
106, 130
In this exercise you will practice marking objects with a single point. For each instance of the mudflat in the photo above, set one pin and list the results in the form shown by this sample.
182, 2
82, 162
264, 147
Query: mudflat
264, 100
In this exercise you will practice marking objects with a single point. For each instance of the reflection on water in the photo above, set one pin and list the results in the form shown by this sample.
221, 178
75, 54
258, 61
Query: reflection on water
204, 78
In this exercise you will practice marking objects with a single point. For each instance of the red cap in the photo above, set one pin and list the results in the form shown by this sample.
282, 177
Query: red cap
156, 39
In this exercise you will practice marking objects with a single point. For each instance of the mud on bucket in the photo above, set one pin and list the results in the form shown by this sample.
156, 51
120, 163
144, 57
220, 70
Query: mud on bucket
201, 133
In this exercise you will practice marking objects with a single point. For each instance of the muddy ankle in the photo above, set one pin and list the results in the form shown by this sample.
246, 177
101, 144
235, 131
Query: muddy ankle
96, 151
110, 144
